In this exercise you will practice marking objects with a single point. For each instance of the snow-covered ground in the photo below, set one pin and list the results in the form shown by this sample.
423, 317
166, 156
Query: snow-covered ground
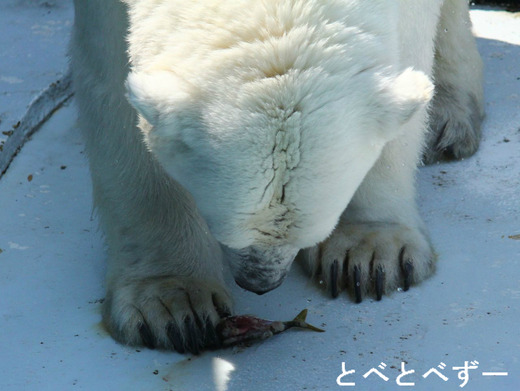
33, 64
52, 270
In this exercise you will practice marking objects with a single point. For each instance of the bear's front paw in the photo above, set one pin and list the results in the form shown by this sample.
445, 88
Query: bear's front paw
371, 258
455, 125
166, 312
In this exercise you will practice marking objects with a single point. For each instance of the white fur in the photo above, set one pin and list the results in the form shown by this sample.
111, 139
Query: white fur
274, 116
249, 116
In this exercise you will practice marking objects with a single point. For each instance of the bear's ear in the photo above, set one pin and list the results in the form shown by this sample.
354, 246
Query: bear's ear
154, 94
408, 92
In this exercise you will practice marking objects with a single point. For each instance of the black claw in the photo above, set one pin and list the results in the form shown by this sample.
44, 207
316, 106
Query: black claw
334, 278
194, 341
380, 276
345, 266
222, 309
407, 270
357, 284
318, 271
146, 335
211, 339
224, 312
175, 337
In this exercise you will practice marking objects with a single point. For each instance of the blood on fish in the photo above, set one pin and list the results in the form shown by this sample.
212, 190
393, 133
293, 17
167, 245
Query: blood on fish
240, 329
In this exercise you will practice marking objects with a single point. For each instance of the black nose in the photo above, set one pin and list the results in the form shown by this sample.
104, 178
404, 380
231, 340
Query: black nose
258, 287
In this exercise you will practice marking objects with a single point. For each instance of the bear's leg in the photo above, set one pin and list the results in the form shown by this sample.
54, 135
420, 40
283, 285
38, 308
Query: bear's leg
457, 109
380, 243
165, 283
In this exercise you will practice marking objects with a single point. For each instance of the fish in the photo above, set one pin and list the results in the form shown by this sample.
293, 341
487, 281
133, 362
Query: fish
244, 329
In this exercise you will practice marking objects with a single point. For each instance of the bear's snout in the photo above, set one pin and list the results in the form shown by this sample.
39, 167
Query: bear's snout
260, 271
259, 285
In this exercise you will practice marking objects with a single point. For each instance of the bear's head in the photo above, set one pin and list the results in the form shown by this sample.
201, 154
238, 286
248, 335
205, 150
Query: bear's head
273, 161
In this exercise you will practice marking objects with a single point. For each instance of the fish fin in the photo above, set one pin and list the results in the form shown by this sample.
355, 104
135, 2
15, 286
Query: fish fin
313, 328
301, 316
299, 321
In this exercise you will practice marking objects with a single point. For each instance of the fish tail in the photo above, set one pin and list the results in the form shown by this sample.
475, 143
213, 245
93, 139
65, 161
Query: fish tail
300, 321
301, 316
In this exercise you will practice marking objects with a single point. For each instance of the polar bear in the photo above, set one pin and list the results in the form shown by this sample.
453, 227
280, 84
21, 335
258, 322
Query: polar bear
249, 131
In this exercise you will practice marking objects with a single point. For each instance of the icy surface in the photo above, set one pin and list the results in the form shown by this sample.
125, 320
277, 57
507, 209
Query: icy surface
33, 43
32, 51
52, 267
